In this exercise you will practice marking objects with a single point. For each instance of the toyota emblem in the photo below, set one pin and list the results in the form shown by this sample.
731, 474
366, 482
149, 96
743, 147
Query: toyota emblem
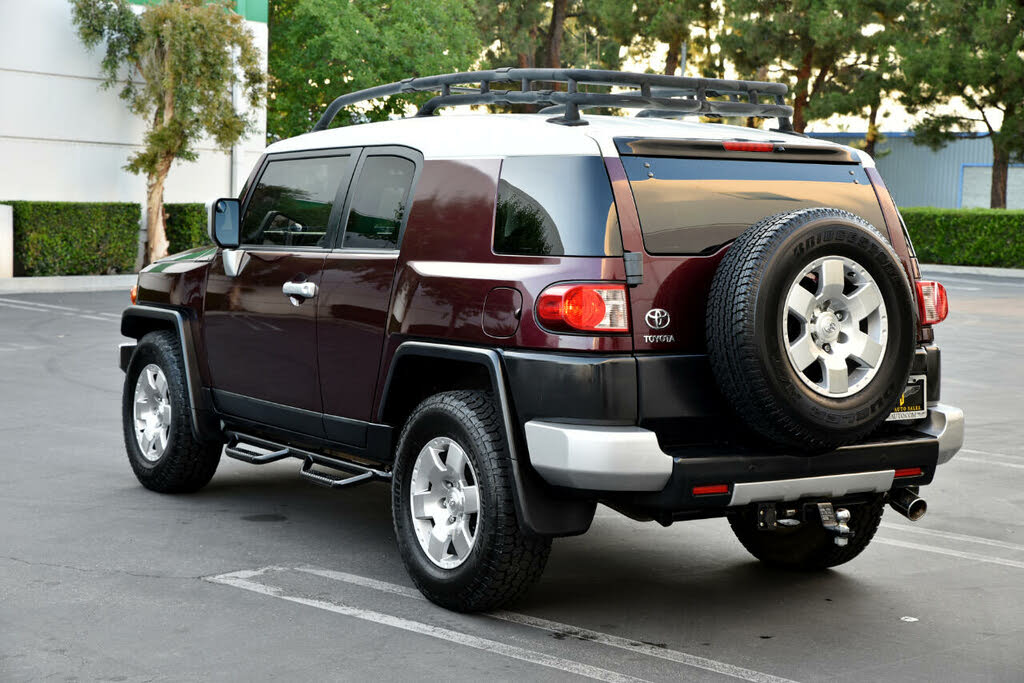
657, 318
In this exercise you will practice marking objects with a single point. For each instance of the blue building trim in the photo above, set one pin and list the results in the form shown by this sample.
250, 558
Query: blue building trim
960, 184
894, 134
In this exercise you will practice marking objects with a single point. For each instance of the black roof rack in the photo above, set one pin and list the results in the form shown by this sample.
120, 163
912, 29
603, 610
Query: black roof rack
657, 93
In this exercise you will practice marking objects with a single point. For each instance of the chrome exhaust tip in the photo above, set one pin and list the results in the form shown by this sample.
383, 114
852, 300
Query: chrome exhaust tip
908, 504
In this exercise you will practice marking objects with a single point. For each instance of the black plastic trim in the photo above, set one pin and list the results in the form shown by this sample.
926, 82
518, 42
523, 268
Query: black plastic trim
362, 439
698, 466
712, 149
574, 388
538, 508
137, 321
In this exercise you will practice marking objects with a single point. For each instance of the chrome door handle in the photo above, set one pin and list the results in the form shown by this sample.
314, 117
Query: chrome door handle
302, 290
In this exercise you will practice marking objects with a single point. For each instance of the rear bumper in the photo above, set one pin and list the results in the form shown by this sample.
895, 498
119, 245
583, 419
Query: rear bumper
627, 464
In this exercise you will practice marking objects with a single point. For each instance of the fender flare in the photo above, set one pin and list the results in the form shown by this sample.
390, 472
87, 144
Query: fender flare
136, 322
537, 508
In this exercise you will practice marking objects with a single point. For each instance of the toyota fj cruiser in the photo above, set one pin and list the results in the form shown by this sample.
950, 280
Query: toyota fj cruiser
514, 317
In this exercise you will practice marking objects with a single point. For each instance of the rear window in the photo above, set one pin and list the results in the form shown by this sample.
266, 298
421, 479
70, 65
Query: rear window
696, 206
556, 206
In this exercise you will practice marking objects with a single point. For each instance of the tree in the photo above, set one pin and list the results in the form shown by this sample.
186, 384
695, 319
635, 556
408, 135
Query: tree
320, 49
816, 44
971, 52
189, 54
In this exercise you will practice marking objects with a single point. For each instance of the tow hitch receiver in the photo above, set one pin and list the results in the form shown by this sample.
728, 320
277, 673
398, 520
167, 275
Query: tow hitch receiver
836, 522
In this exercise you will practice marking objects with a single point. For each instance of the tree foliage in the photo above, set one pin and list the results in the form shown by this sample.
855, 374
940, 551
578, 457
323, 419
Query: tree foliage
320, 49
176, 63
828, 50
972, 52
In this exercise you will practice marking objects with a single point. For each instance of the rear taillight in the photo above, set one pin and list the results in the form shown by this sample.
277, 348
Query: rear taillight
584, 308
932, 304
133, 293
738, 146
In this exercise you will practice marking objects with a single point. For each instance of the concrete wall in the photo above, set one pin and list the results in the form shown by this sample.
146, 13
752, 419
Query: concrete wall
64, 139
959, 175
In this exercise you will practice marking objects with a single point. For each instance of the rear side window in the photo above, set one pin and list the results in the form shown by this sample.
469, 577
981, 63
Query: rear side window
556, 206
379, 203
292, 202
696, 206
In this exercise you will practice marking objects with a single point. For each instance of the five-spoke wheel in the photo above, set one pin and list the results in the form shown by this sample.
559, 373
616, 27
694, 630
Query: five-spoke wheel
152, 412
445, 502
835, 327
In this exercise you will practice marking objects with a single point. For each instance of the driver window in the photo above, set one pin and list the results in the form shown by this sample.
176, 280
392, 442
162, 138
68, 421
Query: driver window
291, 205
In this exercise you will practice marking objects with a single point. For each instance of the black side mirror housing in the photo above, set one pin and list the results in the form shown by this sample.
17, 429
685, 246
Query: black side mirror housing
224, 224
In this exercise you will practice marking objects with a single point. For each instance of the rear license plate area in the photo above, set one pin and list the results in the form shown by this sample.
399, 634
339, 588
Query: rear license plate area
913, 401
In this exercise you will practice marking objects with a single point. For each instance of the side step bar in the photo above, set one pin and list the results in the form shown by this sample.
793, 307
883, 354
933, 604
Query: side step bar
256, 451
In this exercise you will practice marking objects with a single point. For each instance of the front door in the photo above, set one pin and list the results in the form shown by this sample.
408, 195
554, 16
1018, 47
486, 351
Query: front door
261, 299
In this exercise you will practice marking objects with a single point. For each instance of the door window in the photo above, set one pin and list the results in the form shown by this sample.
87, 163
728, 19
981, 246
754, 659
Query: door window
379, 204
292, 203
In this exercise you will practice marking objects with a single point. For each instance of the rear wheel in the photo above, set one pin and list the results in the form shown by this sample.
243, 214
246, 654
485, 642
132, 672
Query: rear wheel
157, 420
453, 507
808, 546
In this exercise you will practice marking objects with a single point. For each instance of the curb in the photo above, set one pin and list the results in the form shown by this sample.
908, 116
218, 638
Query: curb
940, 269
66, 283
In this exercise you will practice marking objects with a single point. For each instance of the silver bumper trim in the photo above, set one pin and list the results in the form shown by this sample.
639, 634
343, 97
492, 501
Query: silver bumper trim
829, 486
600, 458
946, 424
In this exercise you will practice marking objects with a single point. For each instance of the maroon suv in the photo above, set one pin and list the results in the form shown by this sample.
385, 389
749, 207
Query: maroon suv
514, 317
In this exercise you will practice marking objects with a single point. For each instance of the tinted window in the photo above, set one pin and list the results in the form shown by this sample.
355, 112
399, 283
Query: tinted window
380, 201
292, 203
695, 206
556, 206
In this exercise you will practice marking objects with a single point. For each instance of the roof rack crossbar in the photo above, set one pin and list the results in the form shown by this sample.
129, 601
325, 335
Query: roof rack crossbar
651, 92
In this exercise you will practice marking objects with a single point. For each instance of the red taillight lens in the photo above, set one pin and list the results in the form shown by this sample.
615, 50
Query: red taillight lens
133, 293
736, 146
711, 489
908, 472
932, 304
584, 308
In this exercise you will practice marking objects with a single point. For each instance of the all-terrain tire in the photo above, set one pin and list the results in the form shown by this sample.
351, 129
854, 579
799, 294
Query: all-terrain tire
747, 314
505, 560
186, 464
809, 546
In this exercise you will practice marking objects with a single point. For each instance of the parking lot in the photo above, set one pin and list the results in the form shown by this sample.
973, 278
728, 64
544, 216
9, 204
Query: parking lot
261, 576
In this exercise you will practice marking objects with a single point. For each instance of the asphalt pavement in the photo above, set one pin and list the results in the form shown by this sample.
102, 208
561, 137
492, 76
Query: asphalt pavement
262, 576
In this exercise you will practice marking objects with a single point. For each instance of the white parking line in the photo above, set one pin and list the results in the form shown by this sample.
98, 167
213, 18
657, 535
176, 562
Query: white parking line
954, 537
566, 629
242, 580
30, 306
997, 455
977, 557
990, 461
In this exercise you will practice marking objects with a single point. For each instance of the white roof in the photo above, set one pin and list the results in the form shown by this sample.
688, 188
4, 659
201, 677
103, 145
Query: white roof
460, 136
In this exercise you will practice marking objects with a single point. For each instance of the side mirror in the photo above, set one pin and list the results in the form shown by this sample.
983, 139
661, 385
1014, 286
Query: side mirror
223, 225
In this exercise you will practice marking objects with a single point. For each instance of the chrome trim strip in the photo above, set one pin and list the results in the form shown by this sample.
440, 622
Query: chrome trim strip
830, 486
596, 457
945, 423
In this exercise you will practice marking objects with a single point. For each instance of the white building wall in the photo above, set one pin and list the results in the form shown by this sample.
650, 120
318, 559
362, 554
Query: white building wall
62, 138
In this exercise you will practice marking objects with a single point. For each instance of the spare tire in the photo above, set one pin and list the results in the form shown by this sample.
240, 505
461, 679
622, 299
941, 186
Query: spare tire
811, 328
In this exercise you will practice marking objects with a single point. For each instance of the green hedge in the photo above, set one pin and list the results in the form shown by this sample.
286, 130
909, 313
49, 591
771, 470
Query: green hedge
967, 237
186, 226
75, 238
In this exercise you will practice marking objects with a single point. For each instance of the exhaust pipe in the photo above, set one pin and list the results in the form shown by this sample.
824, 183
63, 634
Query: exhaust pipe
908, 504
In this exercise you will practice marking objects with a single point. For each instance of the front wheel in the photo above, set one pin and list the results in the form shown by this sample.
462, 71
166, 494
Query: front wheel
808, 546
453, 507
164, 454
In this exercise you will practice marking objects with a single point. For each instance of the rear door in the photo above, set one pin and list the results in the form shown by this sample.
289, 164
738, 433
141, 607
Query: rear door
692, 200
356, 289
261, 341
